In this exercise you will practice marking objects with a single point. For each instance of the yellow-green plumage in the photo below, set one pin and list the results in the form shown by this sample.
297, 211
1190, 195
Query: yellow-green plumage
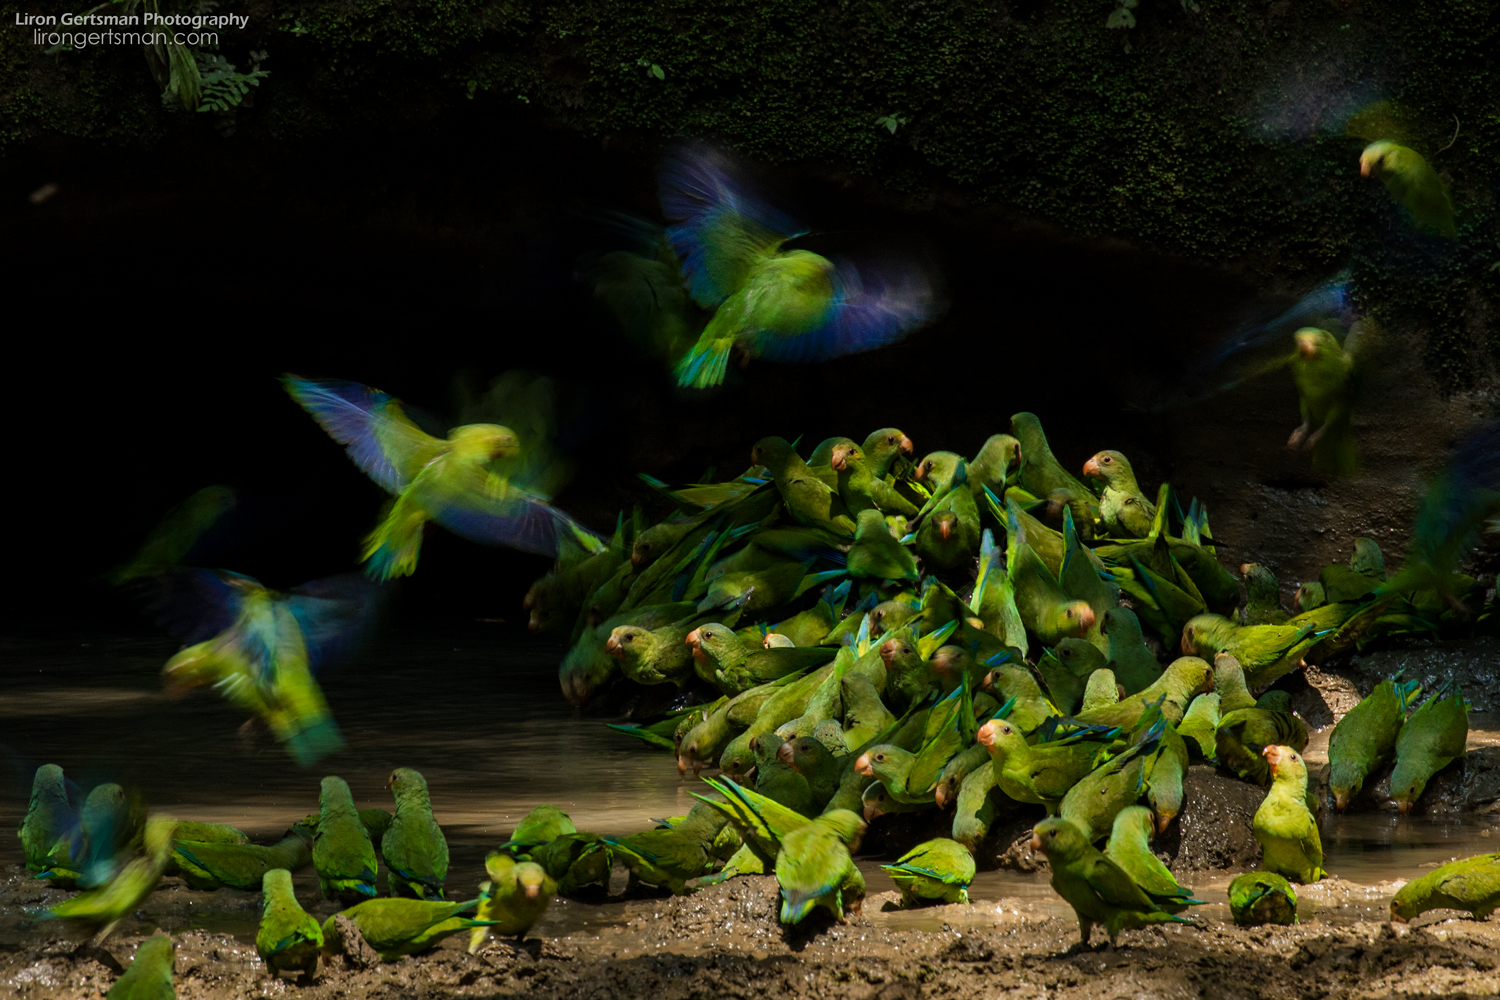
1286, 829
414, 848
150, 974
288, 940
1365, 738
1433, 737
342, 852
937, 871
1471, 884
105, 906
50, 816
1257, 898
514, 898
396, 927
239, 866
1129, 847
814, 867
1412, 182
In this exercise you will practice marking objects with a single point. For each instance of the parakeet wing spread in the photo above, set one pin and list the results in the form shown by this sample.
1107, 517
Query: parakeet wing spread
379, 437
484, 508
870, 307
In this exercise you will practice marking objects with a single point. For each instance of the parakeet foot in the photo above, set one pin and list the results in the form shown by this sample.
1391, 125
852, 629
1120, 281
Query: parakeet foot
1295, 442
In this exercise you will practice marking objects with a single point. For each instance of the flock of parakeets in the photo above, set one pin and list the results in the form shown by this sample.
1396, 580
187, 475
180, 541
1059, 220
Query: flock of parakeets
108, 848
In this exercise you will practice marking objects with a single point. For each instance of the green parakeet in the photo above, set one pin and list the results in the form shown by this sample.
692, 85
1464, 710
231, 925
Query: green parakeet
288, 940
875, 554
892, 766
809, 757
514, 898
884, 447
865, 715
814, 867
1324, 370
150, 974
396, 927
777, 779
575, 860
1097, 888
414, 848
721, 656
261, 648
1043, 773
1134, 665
218, 833
1066, 671
342, 853
1257, 898
808, 499
1288, 833
1184, 677
861, 489
640, 286
1044, 606
50, 826
105, 906
1041, 474
1200, 724
653, 656
935, 871
1100, 690
1094, 800
1244, 732
449, 481
1262, 597
948, 536
542, 825
1365, 738
1123, 508
1129, 847
769, 301
998, 460
1471, 884
1015, 685
1265, 652
1434, 736
239, 866
1413, 183
670, 857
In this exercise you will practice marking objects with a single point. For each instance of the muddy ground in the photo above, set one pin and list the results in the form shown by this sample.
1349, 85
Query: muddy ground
725, 942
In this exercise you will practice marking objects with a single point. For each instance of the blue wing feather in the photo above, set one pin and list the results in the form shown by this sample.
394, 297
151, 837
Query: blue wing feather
872, 307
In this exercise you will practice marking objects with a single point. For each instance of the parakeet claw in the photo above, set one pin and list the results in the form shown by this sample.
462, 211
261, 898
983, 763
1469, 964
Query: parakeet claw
1294, 443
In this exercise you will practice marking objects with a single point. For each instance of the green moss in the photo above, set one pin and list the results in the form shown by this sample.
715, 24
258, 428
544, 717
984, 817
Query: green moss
1217, 135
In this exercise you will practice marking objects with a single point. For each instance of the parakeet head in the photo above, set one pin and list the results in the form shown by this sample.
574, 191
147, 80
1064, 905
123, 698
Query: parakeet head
775, 640
804, 753
888, 439
1201, 636
277, 882
1133, 822
870, 524
883, 614
1121, 624
1106, 464
499, 865
405, 782
1192, 673
1372, 162
1075, 618
937, 466
532, 879
1285, 763
652, 542
1344, 776
490, 440
1059, 839
1309, 596
846, 456
772, 452
877, 759
946, 523
892, 649
627, 640
1077, 653
1228, 674
1368, 558
998, 735
1311, 342
951, 662
874, 802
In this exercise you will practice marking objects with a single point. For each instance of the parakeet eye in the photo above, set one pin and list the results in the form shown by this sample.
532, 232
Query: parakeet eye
890, 440
880, 756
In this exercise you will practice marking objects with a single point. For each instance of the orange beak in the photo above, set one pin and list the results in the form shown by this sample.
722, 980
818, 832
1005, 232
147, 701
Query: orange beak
945, 529
1244, 569
888, 651
533, 891
784, 754
1187, 642
986, 734
906, 446
613, 647
1035, 843
1364, 168
864, 767
1086, 620
1091, 467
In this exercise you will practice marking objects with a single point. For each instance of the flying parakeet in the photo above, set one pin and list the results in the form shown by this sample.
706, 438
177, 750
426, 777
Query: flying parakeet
1412, 182
814, 867
449, 481
769, 301
105, 906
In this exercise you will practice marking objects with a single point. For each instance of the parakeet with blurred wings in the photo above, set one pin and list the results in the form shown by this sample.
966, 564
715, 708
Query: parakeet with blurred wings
772, 302
447, 480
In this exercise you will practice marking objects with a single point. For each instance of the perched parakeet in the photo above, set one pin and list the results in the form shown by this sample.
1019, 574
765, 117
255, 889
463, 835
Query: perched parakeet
261, 648
1365, 738
721, 656
1043, 773
865, 715
1262, 597
1042, 475
575, 860
777, 779
1434, 736
1471, 884
449, 481
1184, 677
816, 762
1130, 847
998, 460
669, 857
1412, 182
542, 825
396, 927
1288, 833
414, 848
1264, 652
1045, 608
884, 447
288, 940
1098, 889
771, 302
1200, 724
936, 871
1123, 508
875, 554
862, 490
150, 974
808, 499
342, 852
50, 817
514, 898
1257, 898
239, 866
814, 867
948, 536
105, 906
1134, 665
1244, 732
1100, 690
1096, 799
